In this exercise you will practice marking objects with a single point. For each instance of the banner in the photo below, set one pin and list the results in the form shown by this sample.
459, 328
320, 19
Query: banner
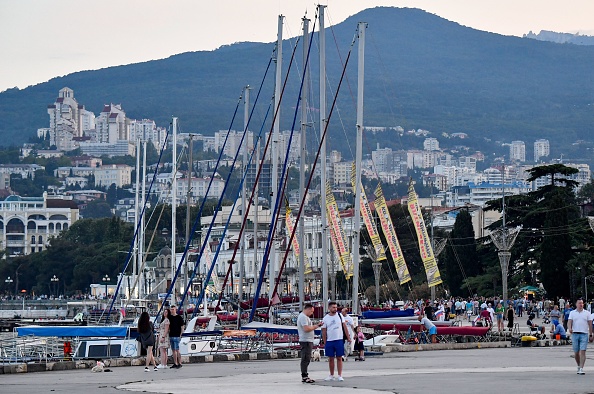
339, 236
295, 243
388, 229
433, 276
208, 261
380, 252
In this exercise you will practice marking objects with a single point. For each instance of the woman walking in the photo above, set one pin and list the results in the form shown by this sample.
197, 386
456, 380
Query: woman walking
510, 317
163, 343
146, 331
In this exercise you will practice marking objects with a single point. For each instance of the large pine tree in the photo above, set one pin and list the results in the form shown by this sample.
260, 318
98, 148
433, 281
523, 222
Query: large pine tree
461, 259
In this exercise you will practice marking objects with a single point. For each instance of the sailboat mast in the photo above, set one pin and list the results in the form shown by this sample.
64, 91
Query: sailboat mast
274, 153
173, 205
188, 205
358, 159
323, 120
246, 105
136, 206
141, 253
256, 165
302, 161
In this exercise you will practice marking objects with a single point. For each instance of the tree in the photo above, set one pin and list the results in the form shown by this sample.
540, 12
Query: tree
461, 258
97, 209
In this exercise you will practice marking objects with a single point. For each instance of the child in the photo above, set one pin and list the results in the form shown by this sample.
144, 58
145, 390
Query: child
359, 338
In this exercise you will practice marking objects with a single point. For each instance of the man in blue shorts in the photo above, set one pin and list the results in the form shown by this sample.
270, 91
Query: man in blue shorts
579, 325
334, 332
176, 327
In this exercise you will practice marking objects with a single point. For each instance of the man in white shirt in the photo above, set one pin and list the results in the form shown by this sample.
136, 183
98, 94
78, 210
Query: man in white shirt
351, 328
333, 331
579, 326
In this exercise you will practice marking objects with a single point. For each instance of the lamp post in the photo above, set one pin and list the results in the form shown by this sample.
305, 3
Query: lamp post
8, 282
55, 285
105, 280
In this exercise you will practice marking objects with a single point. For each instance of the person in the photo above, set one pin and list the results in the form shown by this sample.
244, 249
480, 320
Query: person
535, 326
333, 332
499, 314
359, 347
486, 317
350, 327
491, 312
428, 310
579, 326
566, 313
555, 315
510, 316
557, 329
429, 326
176, 326
163, 343
146, 331
306, 331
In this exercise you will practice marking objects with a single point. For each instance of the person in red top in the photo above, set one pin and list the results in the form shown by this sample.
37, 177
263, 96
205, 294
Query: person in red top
486, 315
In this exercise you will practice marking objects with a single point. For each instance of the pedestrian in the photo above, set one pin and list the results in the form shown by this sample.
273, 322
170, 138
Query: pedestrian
306, 331
510, 317
579, 326
566, 313
555, 315
146, 332
176, 327
163, 343
499, 313
429, 326
348, 349
359, 347
334, 333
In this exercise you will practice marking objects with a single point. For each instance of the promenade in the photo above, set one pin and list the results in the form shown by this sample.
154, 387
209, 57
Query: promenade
528, 370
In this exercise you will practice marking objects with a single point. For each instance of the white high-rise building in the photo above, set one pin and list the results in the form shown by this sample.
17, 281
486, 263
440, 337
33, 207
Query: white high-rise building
111, 125
233, 141
431, 144
146, 129
65, 120
541, 149
517, 151
383, 159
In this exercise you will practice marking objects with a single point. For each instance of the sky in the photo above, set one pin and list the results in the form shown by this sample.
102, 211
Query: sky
42, 39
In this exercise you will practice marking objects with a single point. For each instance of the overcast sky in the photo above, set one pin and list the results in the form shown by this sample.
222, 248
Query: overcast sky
41, 39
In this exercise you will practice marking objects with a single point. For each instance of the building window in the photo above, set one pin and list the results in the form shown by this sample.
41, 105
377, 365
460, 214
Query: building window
33, 239
41, 239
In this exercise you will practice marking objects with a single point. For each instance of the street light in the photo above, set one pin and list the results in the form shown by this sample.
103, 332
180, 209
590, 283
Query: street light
105, 280
55, 285
8, 282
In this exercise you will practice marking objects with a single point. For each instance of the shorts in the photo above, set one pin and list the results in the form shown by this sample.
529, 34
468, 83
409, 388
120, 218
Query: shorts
500, 316
579, 341
433, 331
334, 348
174, 343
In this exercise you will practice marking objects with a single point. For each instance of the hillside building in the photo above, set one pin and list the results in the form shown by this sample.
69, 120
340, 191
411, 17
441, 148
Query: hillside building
68, 119
431, 144
541, 149
517, 151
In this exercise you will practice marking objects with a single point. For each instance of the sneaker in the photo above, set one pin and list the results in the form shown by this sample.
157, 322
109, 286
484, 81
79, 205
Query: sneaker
340, 379
155, 369
581, 371
179, 366
174, 366
329, 378
161, 366
146, 369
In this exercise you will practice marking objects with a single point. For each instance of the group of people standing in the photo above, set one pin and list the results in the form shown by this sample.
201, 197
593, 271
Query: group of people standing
168, 336
338, 334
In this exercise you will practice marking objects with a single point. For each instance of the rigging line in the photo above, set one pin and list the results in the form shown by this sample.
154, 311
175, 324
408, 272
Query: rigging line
215, 258
139, 222
245, 132
268, 139
462, 270
299, 212
278, 202
173, 253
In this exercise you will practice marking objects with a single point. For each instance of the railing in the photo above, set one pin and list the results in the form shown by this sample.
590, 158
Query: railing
14, 349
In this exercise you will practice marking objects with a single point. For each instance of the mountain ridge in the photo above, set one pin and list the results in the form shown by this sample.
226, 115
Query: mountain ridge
422, 71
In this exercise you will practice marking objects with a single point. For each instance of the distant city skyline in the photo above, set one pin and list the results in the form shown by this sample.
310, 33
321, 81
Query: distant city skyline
43, 39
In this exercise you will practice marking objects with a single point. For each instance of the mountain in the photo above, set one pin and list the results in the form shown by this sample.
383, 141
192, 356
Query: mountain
561, 38
421, 71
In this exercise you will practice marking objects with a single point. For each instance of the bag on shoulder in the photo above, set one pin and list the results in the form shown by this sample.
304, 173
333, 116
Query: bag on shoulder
344, 335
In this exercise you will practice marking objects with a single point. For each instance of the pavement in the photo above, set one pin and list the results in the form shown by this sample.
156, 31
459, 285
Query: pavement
528, 370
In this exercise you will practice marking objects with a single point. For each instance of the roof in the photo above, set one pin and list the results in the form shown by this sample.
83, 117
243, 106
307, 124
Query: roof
59, 203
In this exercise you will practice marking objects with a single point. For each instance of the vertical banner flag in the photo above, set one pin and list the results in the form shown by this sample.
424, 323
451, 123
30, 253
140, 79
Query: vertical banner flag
380, 253
208, 262
433, 276
388, 229
339, 235
295, 243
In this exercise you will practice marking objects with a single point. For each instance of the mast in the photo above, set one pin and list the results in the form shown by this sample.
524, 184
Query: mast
302, 161
358, 157
136, 206
173, 206
323, 120
188, 197
256, 165
141, 253
274, 153
246, 106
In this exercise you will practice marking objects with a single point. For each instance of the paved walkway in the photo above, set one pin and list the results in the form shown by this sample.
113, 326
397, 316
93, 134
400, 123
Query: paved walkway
529, 370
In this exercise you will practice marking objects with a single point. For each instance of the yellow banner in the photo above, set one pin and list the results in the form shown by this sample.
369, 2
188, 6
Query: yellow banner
295, 243
388, 229
380, 252
431, 269
342, 249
